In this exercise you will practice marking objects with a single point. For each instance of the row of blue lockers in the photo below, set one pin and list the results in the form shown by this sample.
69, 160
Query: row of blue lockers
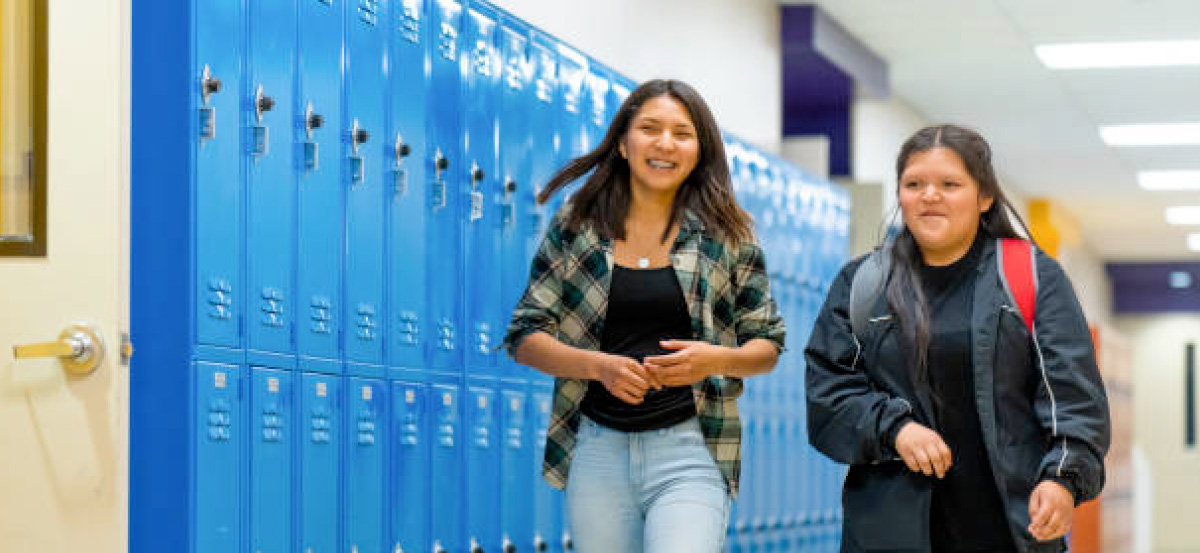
365, 176
361, 218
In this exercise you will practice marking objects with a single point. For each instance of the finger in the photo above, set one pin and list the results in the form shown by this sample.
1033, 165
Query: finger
676, 344
910, 461
1035, 505
935, 459
924, 462
648, 376
635, 377
947, 457
667, 360
627, 396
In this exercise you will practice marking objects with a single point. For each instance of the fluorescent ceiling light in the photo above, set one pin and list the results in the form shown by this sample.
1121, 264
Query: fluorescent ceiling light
1169, 180
1168, 134
1119, 54
1184, 215
1194, 241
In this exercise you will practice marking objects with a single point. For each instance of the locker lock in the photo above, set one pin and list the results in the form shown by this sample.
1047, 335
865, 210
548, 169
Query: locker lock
475, 547
315, 121
402, 149
441, 163
437, 548
476, 173
509, 546
539, 544
208, 84
361, 136
568, 543
510, 186
262, 103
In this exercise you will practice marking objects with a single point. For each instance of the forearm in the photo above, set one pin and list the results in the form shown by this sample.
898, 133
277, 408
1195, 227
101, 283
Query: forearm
545, 353
754, 357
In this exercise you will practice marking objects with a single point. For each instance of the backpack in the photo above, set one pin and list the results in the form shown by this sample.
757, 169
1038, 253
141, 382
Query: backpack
1016, 261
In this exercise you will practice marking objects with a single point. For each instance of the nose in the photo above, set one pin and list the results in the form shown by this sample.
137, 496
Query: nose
663, 141
930, 193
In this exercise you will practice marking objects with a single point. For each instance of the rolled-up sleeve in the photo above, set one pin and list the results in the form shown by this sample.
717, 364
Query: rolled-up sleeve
755, 313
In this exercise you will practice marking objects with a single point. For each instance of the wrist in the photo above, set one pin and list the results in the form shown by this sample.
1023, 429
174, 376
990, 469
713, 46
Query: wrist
593, 364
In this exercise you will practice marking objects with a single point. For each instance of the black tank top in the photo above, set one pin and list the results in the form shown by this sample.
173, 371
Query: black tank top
644, 306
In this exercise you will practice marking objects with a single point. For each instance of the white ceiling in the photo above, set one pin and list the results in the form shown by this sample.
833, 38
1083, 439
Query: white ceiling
972, 62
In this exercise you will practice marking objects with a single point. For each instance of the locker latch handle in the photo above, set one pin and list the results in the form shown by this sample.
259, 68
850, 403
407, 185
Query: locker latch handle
262, 103
208, 84
312, 120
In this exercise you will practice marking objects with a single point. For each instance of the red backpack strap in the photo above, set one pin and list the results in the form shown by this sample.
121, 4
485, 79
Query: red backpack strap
1017, 263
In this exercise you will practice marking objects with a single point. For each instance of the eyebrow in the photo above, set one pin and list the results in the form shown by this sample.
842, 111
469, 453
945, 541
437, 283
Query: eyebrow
650, 119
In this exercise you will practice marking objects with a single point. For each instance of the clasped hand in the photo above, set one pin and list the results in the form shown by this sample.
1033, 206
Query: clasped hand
690, 362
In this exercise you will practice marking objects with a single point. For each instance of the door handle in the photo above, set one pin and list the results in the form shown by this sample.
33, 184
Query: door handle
79, 349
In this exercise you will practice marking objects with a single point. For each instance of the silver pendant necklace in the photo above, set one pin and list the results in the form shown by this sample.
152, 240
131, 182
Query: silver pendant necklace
643, 262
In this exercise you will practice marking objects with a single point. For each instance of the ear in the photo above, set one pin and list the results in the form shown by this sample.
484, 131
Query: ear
985, 203
621, 149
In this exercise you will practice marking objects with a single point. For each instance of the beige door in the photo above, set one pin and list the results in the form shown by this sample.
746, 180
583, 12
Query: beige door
64, 438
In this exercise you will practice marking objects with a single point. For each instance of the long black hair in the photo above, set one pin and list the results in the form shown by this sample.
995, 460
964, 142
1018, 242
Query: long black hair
905, 295
604, 199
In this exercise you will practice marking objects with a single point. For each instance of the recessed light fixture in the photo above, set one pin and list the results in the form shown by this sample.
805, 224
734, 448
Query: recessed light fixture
1101, 55
1180, 280
1184, 215
1193, 241
1167, 134
1169, 180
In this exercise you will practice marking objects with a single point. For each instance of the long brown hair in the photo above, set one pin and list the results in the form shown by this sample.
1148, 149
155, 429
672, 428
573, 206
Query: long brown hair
603, 200
905, 296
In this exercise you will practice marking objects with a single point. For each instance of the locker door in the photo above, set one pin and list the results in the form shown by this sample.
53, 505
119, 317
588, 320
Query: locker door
483, 470
481, 88
219, 229
363, 175
516, 456
515, 147
620, 89
446, 466
595, 115
319, 201
446, 172
411, 512
271, 461
218, 464
545, 532
569, 119
366, 430
270, 181
409, 238
542, 125
319, 490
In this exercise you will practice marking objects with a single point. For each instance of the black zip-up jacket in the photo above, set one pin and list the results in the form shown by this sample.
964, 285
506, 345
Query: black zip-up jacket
1041, 403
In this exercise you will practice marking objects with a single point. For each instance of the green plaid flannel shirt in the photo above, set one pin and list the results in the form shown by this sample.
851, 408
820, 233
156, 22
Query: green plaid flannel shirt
728, 298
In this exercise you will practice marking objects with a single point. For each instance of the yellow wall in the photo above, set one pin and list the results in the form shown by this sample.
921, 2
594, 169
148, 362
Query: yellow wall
1052, 228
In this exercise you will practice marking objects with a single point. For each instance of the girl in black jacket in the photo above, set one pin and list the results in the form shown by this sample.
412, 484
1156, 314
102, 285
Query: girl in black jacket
965, 431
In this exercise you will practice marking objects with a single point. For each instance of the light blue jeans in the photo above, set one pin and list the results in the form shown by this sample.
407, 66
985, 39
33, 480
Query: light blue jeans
646, 492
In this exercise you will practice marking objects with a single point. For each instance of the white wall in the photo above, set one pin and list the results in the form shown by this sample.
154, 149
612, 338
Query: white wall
1090, 281
728, 50
879, 128
1158, 378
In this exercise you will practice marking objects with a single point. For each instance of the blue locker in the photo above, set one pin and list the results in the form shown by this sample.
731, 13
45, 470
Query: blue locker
406, 190
319, 195
319, 485
545, 519
619, 89
483, 469
446, 466
219, 425
366, 432
447, 173
515, 172
516, 456
218, 201
597, 109
271, 445
569, 119
270, 181
481, 208
411, 491
543, 124
363, 176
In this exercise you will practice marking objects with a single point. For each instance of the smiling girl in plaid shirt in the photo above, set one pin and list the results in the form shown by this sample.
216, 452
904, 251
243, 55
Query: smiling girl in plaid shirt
648, 301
